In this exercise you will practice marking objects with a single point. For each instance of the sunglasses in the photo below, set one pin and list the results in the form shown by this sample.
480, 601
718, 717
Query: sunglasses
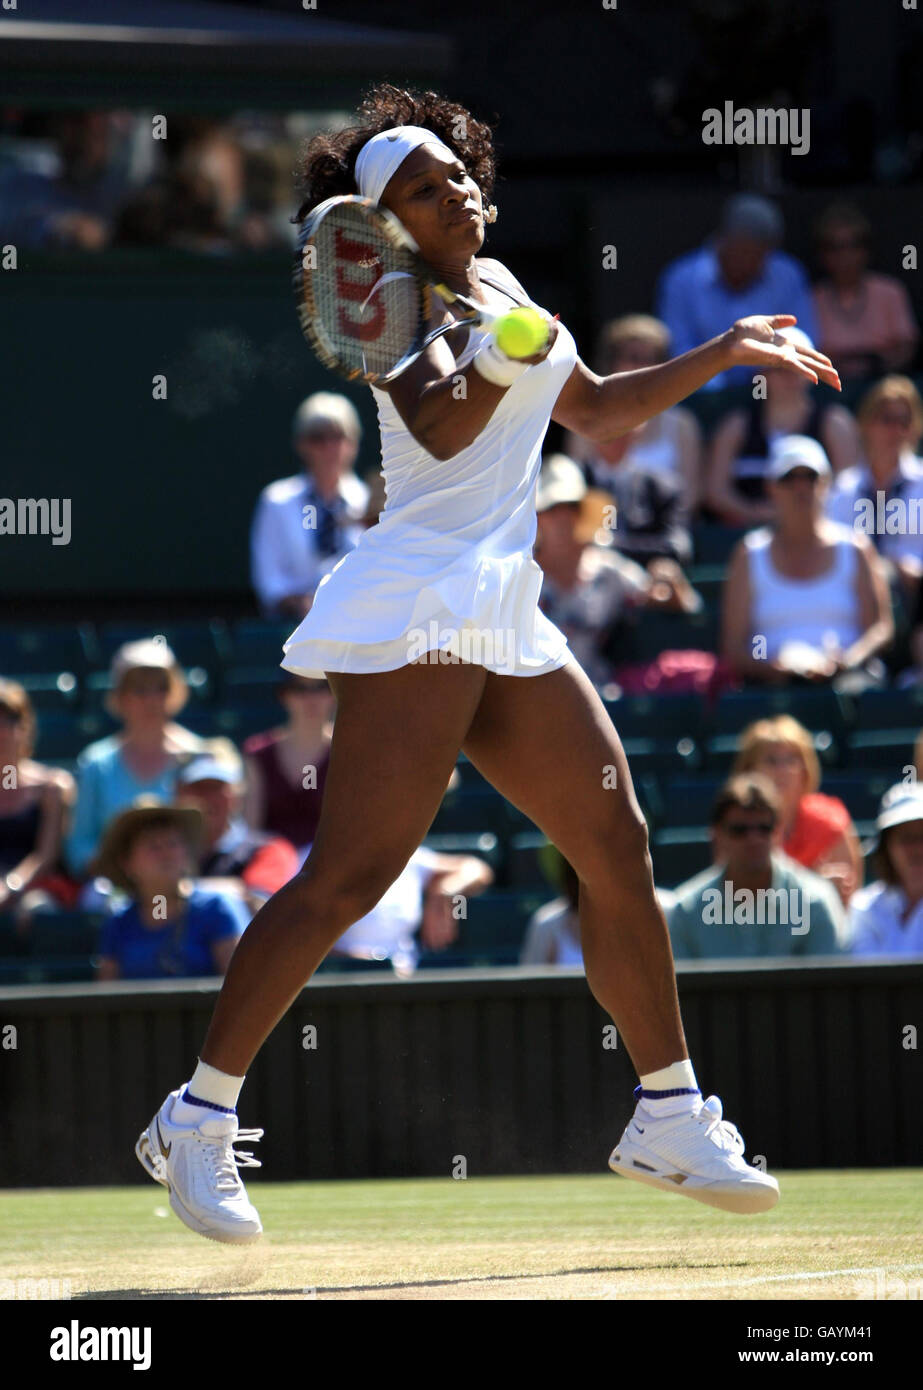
804, 475
888, 417
146, 685
738, 829
844, 244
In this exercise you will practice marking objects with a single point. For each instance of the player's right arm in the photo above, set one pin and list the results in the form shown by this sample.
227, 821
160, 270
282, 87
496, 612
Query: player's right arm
445, 408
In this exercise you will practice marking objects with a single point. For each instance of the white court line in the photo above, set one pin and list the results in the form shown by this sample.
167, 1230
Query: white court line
781, 1278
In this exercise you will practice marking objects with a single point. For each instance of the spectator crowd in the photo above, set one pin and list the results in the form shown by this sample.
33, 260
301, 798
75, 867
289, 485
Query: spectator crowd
814, 510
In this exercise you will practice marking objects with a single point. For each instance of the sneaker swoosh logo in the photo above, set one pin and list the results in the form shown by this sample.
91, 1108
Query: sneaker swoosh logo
165, 1148
639, 1129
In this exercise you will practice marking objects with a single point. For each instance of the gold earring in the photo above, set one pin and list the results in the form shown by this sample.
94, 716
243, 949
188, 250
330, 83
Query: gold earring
491, 213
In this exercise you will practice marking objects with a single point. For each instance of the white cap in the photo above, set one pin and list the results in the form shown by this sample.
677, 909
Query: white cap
324, 408
900, 804
208, 770
559, 481
797, 451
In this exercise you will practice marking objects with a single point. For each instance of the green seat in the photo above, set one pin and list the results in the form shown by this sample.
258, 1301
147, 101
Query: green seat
686, 801
48, 690
493, 931
657, 716
258, 641
525, 863
194, 641
713, 542
53, 935
482, 845
472, 812
48, 647
678, 853
860, 792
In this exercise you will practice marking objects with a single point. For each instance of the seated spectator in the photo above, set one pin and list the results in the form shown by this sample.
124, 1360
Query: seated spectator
147, 689
169, 928
667, 447
553, 934
305, 524
35, 801
649, 521
866, 323
739, 272
74, 205
816, 830
287, 766
589, 589
418, 903
804, 598
882, 497
739, 451
235, 859
754, 900
886, 918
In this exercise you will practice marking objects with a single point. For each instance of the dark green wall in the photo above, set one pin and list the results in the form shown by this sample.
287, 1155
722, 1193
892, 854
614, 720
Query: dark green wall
162, 491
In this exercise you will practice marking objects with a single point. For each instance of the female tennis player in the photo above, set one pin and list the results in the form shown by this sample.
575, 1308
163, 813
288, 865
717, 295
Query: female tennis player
451, 557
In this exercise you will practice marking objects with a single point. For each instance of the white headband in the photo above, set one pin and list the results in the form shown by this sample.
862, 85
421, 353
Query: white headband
380, 157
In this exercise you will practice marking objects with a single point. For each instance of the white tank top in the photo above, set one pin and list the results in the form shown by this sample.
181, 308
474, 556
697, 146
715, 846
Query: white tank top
482, 497
822, 612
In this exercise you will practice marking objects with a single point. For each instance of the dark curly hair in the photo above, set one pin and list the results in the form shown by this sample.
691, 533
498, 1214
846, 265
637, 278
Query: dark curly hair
328, 164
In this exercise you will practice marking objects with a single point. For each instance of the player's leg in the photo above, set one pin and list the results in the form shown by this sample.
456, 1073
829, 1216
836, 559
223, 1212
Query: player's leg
396, 738
547, 743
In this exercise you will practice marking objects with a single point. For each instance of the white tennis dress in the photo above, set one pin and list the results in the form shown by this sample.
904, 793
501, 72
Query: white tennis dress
448, 568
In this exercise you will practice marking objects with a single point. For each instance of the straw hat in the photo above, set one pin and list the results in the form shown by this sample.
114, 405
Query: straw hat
145, 813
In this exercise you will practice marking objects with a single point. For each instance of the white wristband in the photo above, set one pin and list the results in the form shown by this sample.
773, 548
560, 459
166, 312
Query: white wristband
495, 366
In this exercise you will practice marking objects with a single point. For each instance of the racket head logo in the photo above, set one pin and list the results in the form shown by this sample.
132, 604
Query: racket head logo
352, 262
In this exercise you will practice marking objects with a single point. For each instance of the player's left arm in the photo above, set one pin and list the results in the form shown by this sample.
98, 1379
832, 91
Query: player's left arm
601, 407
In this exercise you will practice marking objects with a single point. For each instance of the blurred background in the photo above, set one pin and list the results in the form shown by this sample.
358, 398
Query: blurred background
156, 389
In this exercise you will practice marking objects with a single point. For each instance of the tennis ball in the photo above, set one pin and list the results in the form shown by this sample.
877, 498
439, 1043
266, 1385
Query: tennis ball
521, 332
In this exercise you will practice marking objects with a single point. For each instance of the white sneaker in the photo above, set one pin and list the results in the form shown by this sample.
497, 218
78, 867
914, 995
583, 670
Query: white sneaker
198, 1165
696, 1154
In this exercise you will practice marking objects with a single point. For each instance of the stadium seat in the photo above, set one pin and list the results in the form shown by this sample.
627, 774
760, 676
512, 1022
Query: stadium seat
524, 861
493, 932
679, 853
670, 717
473, 812
48, 647
483, 845
713, 542
63, 735
657, 632
195, 641
860, 792
48, 690
821, 711
685, 801
886, 724
63, 934
258, 641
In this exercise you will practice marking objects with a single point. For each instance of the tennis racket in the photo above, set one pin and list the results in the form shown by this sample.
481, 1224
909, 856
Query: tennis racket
365, 295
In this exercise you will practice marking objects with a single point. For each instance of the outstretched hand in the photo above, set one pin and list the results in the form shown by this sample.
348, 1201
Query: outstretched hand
757, 342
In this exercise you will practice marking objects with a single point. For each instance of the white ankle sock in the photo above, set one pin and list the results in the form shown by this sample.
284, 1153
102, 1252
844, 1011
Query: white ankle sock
208, 1089
679, 1076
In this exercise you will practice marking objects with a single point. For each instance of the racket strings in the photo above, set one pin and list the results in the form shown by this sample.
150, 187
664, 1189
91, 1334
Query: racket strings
362, 295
